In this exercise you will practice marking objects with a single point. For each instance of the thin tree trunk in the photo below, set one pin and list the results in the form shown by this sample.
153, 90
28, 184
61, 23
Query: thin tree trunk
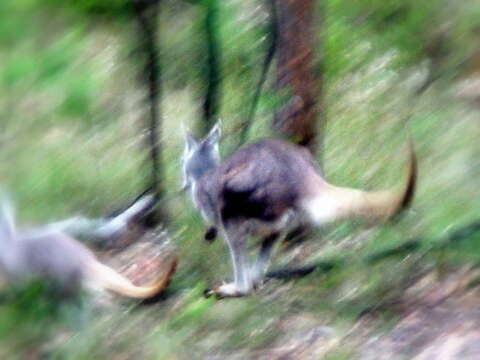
300, 116
211, 102
272, 35
146, 15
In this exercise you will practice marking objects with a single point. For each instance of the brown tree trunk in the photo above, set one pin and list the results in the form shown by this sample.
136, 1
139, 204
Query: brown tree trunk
299, 118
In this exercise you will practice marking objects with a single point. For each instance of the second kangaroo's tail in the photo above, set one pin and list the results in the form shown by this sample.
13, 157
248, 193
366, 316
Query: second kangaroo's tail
110, 279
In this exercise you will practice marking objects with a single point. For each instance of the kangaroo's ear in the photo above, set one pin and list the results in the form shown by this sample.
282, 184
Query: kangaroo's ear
213, 136
190, 141
7, 218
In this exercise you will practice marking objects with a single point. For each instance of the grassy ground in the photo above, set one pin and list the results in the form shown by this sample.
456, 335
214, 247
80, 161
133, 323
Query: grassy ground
71, 144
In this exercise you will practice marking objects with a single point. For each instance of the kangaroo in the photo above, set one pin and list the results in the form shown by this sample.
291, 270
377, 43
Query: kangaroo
63, 262
264, 188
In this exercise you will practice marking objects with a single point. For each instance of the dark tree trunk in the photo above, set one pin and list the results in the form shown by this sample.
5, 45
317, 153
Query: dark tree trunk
300, 116
211, 102
272, 35
146, 15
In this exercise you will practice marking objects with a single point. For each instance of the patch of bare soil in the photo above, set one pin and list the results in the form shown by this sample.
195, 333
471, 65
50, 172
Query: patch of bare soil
439, 319
304, 338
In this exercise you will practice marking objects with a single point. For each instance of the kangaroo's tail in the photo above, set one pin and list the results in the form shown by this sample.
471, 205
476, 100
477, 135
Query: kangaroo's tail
109, 279
333, 202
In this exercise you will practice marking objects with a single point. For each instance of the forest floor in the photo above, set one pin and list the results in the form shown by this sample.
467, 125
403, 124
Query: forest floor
436, 317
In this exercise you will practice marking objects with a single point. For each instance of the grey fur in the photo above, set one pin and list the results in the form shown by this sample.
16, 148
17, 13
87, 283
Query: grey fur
199, 158
48, 256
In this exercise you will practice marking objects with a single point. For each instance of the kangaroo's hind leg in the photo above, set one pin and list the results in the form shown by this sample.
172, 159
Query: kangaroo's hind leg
242, 283
258, 270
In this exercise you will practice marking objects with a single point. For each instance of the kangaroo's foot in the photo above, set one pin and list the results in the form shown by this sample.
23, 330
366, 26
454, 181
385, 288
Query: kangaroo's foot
228, 290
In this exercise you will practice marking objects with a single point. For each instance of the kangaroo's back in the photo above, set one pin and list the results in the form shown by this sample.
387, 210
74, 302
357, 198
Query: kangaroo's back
264, 180
260, 181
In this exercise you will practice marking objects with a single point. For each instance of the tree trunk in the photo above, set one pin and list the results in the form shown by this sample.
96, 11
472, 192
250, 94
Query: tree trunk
299, 118
272, 35
211, 102
146, 15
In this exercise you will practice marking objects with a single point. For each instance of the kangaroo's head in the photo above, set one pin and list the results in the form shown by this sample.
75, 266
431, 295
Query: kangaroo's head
200, 156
